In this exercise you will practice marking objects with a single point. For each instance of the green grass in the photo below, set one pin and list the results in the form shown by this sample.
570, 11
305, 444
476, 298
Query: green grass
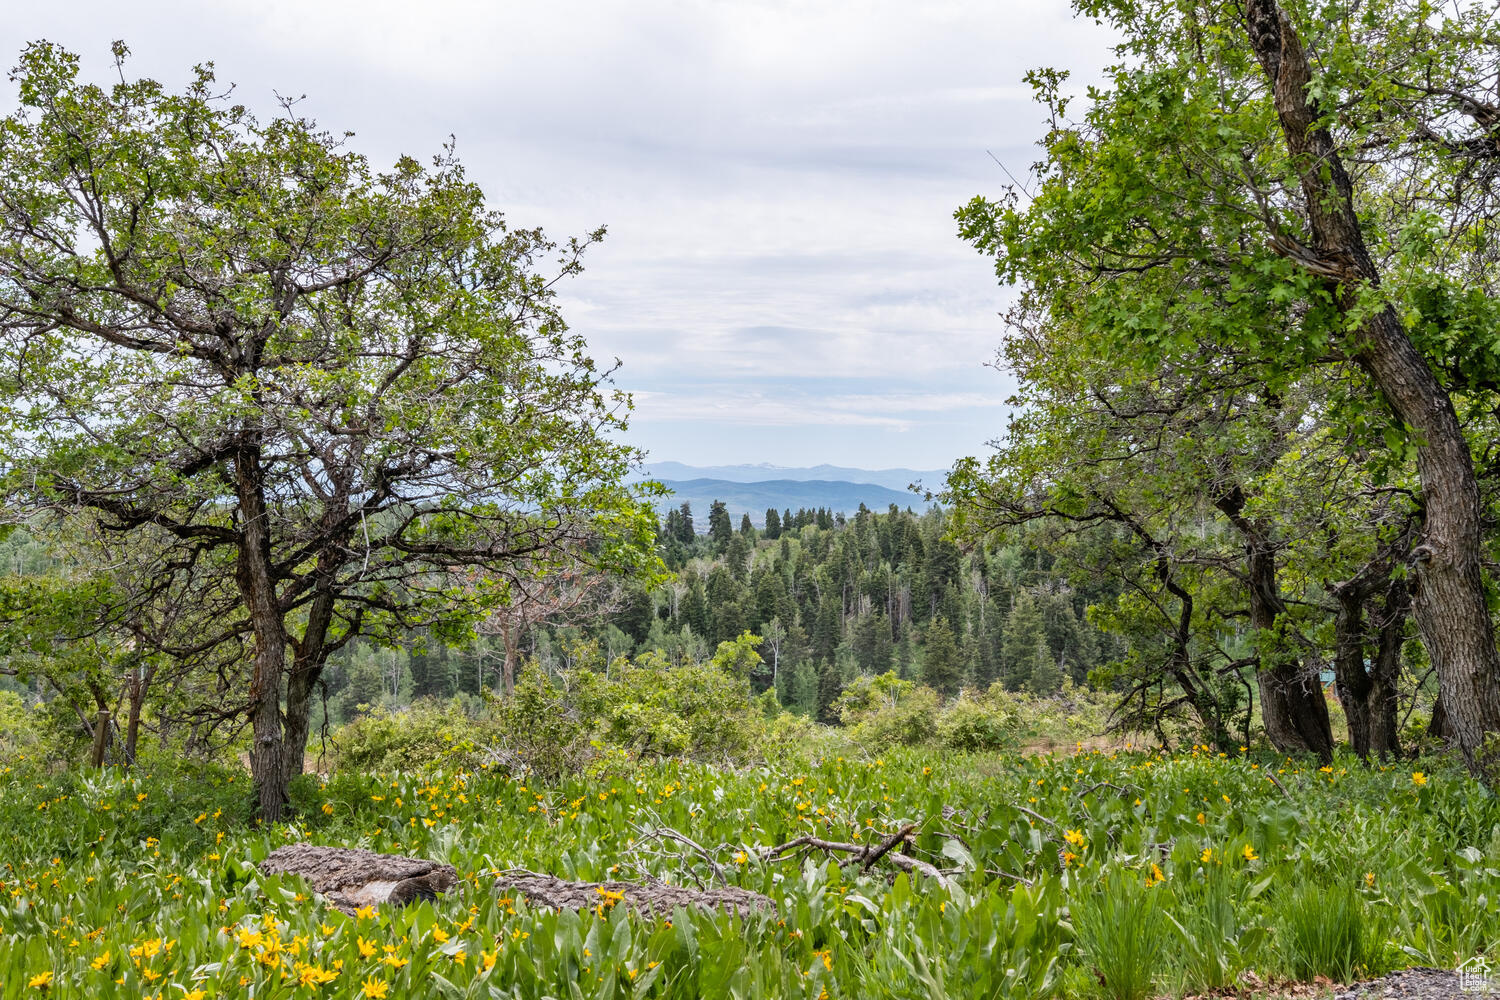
145, 885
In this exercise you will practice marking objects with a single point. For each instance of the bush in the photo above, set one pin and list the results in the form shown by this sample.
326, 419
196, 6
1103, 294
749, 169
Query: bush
970, 724
539, 731
426, 733
695, 710
20, 734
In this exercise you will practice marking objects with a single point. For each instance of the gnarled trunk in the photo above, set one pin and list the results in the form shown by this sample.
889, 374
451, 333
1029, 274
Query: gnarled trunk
1449, 604
1292, 705
310, 656
1367, 683
257, 586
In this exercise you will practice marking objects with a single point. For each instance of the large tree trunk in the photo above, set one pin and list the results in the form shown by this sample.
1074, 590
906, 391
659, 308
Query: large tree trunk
1351, 680
1449, 604
310, 656
1292, 705
1385, 735
1368, 693
256, 584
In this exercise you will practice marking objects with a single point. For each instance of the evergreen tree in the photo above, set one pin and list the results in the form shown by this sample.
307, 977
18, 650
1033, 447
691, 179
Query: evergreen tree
1046, 676
737, 557
904, 656
1022, 629
726, 619
799, 689
830, 686
941, 667
828, 630
872, 644
693, 609
746, 528
773, 524
720, 531
686, 533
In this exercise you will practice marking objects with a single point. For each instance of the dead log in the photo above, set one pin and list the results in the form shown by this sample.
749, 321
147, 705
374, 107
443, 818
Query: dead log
652, 899
349, 878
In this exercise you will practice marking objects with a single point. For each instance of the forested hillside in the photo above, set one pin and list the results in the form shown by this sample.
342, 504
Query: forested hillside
833, 597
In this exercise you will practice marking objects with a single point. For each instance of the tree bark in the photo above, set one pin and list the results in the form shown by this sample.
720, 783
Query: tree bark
1351, 680
101, 738
256, 583
1292, 705
139, 684
512, 655
1368, 693
1449, 604
1385, 735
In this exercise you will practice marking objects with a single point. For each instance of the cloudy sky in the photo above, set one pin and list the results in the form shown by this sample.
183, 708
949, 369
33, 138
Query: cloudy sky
782, 281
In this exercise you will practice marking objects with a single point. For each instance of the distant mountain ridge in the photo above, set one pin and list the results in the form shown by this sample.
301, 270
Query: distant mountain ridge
891, 479
754, 498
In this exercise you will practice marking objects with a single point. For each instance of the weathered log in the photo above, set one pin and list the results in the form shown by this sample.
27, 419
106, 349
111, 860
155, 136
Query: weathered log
648, 899
350, 878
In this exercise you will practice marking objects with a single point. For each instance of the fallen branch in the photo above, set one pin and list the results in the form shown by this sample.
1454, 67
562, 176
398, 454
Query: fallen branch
1037, 815
667, 833
899, 837
860, 853
1105, 784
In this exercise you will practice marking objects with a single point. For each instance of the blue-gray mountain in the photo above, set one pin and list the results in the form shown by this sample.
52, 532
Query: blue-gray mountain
891, 479
753, 498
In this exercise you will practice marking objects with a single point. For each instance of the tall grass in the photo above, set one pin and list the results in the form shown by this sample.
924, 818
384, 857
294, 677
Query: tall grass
1122, 936
1325, 931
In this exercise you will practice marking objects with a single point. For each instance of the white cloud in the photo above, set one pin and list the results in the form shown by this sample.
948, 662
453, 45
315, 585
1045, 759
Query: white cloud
778, 177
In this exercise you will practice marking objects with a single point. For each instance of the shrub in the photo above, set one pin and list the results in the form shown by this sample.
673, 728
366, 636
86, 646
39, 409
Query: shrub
424, 734
20, 734
540, 731
970, 724
695, 710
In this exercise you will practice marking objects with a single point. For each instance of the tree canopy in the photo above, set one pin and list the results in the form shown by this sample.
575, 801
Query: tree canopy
333, 385
1276, 196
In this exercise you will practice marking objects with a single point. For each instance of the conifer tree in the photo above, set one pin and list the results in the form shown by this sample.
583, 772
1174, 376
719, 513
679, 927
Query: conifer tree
720, 531
941, 667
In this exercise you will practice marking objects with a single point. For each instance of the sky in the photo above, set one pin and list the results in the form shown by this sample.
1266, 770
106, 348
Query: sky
782, 279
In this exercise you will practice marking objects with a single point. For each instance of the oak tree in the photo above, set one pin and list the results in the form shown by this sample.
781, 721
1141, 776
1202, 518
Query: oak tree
347, 387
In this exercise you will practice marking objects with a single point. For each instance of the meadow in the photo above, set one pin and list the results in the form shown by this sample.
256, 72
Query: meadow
1129, 873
